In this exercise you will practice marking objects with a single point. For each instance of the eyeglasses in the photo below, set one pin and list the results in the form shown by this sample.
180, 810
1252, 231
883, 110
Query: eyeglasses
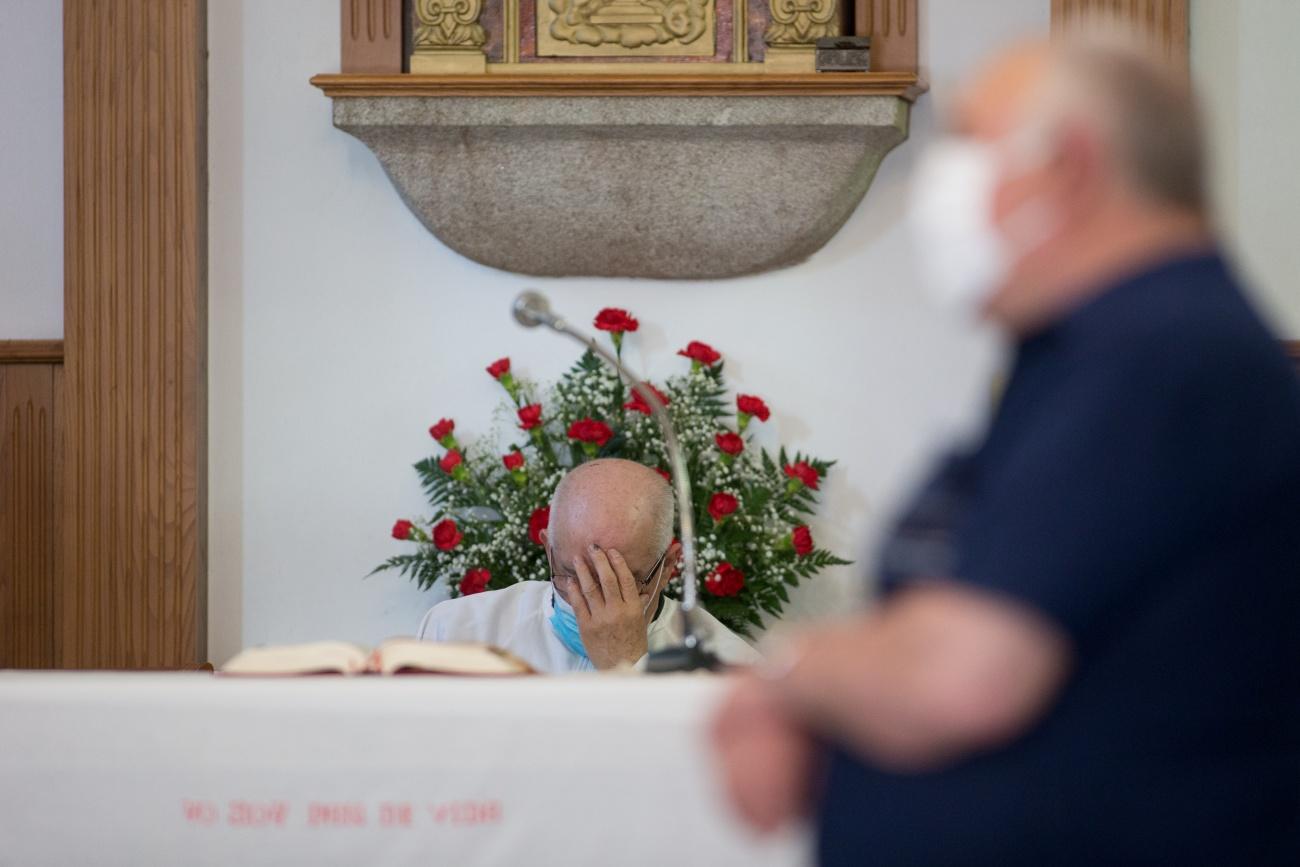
641, 583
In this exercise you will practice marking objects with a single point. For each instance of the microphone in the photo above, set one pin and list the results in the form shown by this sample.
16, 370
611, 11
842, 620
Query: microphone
531, 309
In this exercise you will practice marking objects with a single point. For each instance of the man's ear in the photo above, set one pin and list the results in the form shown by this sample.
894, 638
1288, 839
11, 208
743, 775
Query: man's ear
672, 561
544, 536
1080, 169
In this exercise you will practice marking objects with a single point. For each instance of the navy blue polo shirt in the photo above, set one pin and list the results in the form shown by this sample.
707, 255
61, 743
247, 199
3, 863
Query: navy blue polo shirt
1140, 487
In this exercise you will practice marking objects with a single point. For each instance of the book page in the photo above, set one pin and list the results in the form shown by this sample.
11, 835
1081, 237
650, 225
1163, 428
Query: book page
443, 657
288, 659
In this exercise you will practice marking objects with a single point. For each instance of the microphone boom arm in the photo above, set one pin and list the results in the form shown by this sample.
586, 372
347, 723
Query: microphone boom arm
532, 309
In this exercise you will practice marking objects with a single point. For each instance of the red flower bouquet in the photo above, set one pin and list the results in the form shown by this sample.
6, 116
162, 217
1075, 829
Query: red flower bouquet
490, 500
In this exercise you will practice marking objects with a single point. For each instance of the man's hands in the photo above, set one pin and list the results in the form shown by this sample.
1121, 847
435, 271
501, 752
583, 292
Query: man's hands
609, 609
768, 762
934, 674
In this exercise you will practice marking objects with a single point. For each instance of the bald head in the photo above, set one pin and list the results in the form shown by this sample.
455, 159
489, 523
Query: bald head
1000, 95
615, 504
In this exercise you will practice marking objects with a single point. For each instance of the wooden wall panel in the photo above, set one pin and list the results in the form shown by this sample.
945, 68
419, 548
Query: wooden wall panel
133, 589
30, 443
894, 33
371, 36
1165, 23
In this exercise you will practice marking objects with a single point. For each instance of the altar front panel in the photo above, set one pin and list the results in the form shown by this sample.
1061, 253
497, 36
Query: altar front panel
193, 769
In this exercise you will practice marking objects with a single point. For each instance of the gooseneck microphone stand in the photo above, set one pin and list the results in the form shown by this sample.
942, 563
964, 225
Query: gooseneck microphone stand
531, 309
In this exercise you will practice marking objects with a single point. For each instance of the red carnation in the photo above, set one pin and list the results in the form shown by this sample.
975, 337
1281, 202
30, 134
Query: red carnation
537, 522
588, 430
450, 461
513, 461
722, 504
446, 535
475, 581
804, 473
750, 405
442, 429
802, 540
499, 368
402, 530
639, 404
617, 320
700, 353
530, 416
667, 475
730, 443
726, 580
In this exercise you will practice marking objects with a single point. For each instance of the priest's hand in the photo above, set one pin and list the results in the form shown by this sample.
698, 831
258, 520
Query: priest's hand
768, 762
610, 612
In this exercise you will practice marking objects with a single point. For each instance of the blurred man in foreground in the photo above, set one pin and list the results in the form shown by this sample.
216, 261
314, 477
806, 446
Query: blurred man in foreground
611, 549
1088, 646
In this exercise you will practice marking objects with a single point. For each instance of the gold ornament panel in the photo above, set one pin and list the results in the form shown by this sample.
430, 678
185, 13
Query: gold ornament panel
448, 24
626, 28
801, 22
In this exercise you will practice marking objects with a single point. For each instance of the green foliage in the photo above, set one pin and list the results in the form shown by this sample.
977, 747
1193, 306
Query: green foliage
492, 506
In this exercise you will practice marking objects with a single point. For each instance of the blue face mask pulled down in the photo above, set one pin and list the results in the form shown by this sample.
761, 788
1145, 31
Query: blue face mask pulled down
565, 624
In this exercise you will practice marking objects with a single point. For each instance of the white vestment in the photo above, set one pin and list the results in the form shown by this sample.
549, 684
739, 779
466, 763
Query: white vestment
518, 619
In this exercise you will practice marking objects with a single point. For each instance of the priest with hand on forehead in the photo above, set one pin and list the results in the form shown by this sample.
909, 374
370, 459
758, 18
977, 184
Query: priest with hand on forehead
611, 552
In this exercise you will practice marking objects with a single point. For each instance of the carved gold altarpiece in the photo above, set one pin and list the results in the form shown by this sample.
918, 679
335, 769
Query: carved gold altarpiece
590, 36
449, 37
625, 28
648, 138
669, 37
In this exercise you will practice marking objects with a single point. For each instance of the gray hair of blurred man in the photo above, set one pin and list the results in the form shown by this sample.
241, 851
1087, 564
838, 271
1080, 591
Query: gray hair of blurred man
1141, 105
648, 496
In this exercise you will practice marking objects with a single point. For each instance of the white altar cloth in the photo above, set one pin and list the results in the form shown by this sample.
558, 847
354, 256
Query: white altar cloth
181, 768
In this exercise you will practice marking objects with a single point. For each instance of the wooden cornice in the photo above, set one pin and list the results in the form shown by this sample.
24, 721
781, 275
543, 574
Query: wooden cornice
905, 85
31, 351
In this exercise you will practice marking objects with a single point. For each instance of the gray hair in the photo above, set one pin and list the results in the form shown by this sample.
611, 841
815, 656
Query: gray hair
1146, 110
664, 504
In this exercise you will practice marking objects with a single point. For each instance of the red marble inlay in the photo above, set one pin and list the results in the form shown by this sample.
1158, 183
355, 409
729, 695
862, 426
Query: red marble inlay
758, 18
492, 20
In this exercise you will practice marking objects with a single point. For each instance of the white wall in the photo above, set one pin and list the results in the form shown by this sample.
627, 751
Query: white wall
1268, 123
31, 169
1245, 61
340, 329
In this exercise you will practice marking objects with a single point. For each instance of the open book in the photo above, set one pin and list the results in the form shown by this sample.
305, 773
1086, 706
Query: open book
395, 656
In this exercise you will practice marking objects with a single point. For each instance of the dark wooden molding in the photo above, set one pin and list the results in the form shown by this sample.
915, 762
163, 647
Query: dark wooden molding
901, 84
132, 590
31, 351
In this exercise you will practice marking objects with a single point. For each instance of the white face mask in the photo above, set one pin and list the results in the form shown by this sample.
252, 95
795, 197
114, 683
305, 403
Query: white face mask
962, 257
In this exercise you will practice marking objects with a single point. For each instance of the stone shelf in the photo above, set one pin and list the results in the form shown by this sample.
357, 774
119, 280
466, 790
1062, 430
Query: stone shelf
669, 176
